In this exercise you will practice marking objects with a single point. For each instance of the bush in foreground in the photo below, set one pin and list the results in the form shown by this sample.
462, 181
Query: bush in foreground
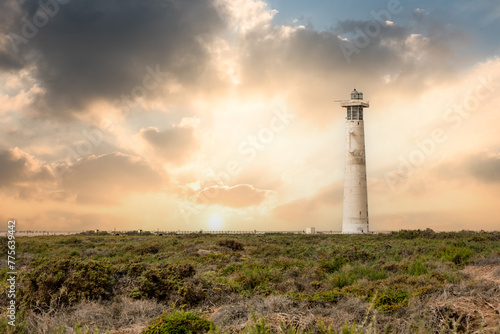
179, 322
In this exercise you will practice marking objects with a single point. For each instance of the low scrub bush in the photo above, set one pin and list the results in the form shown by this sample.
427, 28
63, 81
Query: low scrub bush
158, 282
147, 249
391, 299
255, 278
179, 322
342, 279
331, 265
458, 255
231, 244
417, 268
55, 283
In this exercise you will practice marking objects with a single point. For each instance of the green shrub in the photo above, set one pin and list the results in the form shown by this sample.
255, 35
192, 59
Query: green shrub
331, 265
155, 283
258, 326
327, 296
451, 277
158, 282
231, 244
417, 268
71, 240
458, 255
147, 249
254, 278
371, 273
342, 278
75, 253
67, 281
355, 254
136, 268
413, 234
179, 322
390, 300
192, 292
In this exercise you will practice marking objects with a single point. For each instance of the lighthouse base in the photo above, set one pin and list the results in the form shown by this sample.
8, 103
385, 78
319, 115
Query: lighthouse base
355, 226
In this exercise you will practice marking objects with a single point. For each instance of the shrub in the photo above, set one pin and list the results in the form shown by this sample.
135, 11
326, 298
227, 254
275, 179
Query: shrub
412, 234
231, 244
417, 268
390, 300
355, 254
147, 249
192, 293
72, 240
185, 270
458, 255
253, 278
90, 280
331, 265
158, 282
343, 278
179, 322
371, 273
155, 283
67, 281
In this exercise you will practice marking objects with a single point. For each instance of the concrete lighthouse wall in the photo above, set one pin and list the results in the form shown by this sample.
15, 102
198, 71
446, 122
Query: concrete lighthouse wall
355, 210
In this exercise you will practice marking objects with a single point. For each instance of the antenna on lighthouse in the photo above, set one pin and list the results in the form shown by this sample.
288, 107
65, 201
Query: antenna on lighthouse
355, 207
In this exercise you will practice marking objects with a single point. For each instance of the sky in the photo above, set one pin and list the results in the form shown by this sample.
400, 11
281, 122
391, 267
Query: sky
221, 114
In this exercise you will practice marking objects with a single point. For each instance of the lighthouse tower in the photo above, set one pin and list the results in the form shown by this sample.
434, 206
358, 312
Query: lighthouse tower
355, 210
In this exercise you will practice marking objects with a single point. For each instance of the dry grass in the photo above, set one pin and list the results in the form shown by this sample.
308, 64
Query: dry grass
121, 315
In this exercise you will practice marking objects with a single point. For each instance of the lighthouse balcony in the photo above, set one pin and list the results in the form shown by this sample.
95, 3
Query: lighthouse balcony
353, 103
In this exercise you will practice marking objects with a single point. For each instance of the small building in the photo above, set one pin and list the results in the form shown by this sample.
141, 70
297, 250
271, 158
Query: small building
310, 230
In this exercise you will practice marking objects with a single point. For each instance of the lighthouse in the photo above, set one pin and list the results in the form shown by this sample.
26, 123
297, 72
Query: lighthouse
355, 207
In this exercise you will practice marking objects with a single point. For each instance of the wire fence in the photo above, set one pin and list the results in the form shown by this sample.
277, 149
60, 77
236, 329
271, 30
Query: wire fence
33, 233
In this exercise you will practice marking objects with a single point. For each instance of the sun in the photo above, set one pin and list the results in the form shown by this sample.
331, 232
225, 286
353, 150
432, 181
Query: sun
215, 222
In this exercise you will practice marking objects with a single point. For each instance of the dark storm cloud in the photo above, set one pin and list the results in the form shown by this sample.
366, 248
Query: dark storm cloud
9, 13
175, 145
8, 62
92, 49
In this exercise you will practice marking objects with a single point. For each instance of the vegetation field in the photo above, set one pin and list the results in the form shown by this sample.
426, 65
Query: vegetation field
403, 282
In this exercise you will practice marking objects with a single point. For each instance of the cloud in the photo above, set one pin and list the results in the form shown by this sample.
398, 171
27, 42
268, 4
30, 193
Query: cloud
239, 196
9, 13
91, 50
108, 178
314, 67
175, 145
106, 49
485, 167
482, 166
304, 209
19, 167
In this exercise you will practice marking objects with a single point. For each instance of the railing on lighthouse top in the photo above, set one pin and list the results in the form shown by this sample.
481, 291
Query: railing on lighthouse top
356, 100
355, 95
355, 106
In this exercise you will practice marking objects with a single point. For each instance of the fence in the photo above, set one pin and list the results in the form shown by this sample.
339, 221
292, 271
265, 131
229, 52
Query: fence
30, 233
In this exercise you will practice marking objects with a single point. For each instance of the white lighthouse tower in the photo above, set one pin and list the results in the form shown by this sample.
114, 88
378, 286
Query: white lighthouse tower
355, 210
